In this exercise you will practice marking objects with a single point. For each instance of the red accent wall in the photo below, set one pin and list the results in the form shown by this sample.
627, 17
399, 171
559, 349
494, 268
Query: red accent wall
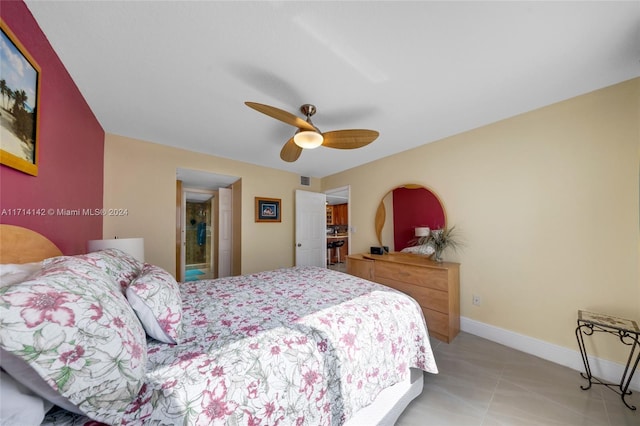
413, 208
71, 151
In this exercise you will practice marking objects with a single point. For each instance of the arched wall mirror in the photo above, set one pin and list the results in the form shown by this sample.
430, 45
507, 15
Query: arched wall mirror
402, 210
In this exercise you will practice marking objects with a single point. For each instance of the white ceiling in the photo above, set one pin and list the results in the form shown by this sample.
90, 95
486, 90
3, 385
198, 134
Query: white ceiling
178, 72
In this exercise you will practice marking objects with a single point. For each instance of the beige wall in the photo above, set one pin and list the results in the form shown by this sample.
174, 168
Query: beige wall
547, 203
140, 177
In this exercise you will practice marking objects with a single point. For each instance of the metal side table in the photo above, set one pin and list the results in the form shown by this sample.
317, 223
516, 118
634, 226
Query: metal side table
628, 333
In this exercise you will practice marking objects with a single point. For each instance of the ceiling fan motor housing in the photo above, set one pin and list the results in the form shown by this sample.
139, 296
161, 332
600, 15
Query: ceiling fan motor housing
308, 110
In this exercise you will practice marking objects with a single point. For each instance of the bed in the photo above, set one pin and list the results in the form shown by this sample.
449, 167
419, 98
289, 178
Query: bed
302, 345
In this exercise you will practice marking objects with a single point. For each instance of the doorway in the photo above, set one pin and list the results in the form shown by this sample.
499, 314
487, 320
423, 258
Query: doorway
338, 227
208, 225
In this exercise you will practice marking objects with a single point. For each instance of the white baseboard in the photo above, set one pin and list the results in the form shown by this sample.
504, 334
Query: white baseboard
606, 370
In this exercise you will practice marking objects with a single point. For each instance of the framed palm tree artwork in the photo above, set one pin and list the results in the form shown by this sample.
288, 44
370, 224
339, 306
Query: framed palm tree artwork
19, 92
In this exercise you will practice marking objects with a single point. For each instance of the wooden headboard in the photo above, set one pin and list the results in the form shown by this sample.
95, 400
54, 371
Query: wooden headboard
22, 245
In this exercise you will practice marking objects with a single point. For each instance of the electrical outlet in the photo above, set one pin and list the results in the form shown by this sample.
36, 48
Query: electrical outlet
476, 300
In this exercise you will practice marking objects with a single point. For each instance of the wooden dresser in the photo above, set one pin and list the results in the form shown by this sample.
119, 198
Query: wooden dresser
435, 286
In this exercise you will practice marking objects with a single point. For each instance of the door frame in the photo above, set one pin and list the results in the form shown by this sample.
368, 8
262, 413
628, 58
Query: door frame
210, 180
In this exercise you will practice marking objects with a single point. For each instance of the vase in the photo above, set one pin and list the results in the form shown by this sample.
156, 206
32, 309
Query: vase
437, 256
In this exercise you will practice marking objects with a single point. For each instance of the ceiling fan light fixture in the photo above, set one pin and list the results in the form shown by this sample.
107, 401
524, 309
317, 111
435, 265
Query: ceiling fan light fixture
308, 136
308, 139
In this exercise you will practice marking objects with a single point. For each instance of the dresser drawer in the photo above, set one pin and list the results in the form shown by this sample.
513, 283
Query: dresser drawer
437, 324
426, 277
437, 300
360, 267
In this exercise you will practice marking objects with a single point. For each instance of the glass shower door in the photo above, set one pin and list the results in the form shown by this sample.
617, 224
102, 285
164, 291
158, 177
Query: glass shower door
198, 240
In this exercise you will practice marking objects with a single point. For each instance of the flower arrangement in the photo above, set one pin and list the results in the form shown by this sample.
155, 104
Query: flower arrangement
440, 239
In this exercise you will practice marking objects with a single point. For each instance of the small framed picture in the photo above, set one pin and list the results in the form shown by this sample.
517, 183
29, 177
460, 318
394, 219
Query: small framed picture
268, 209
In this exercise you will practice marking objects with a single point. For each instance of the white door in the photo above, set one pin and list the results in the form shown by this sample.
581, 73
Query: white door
225, 234
311, 229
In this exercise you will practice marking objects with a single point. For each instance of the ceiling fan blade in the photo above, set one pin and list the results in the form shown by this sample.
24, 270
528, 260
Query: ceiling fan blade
290, 151
349, 139
281, 115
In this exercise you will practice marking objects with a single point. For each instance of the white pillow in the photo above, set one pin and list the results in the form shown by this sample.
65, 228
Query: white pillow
13, 273
20, 406
28, 378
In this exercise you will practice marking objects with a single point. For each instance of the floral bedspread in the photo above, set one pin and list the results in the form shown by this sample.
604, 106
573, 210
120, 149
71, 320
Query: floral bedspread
303, 346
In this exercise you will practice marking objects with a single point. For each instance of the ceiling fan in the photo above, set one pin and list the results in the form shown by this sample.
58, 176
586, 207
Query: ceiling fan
308, 136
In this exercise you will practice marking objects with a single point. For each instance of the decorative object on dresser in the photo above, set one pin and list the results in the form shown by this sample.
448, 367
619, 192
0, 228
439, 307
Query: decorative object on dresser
441, 239
434, 285
376, 250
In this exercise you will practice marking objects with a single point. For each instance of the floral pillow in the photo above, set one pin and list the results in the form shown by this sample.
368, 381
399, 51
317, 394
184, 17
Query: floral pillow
421, 249
155, 297
119, 265
78, 334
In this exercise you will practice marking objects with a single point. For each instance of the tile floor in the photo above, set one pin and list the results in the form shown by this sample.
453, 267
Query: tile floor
342, 267
482, 383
